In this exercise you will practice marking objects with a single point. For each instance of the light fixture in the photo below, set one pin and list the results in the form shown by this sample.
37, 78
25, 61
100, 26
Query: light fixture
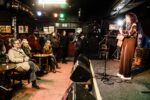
52, 2
55, 15
39, 13
120, 22
61, 15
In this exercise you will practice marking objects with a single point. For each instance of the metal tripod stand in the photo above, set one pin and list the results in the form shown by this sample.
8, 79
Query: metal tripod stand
104, 51
116, 53
105, 78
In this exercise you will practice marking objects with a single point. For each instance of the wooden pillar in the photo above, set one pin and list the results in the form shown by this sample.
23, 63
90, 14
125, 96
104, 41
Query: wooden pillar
14, 26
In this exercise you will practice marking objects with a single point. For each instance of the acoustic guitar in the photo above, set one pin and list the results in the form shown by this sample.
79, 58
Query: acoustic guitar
127, 33
120, 38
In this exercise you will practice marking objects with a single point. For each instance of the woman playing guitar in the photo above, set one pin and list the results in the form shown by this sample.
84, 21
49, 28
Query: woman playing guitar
128, 33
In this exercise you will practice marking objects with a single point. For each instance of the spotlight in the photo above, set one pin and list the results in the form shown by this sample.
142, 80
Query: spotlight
39, 13
55, 15
120, 22
52, 2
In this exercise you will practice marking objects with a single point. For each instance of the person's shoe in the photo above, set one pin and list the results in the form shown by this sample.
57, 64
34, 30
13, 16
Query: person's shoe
54, 71
56, 64
38, 78
34, 85
126, 78
57, 67
119, 75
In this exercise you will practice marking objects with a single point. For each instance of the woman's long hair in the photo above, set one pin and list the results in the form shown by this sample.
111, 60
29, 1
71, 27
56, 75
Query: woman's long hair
133, 17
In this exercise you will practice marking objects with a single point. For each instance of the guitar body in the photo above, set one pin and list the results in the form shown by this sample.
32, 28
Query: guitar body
119, 43
120, 38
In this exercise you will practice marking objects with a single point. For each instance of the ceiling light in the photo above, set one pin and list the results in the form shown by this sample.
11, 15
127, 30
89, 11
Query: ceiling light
120, 22
55, 15
52, 2
39, 13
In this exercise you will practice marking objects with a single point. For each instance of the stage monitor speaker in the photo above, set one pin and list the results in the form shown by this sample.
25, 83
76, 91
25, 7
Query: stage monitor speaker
80, 72
77, 92
84, 59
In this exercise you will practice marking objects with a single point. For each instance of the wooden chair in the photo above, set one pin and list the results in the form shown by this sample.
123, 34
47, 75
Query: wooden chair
17, 75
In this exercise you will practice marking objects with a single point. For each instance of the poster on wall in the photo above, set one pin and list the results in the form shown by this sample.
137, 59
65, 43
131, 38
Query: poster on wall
2, 29
20, 29
45, 29
5, 29
51, 29
8, 29
23, 29
26, 29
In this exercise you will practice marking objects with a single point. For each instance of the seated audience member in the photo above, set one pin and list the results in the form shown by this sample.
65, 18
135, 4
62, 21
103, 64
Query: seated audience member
17, 56
26, 47
3, 57
47, 49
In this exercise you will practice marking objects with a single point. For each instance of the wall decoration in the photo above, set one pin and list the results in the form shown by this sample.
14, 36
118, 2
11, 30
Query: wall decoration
51, 29
20, 29
2, 29
26, 29
5, 29
8, 29
23, 29
45, 29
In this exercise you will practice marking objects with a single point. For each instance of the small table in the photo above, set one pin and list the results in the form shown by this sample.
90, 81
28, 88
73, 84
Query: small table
40, 57
5, 70
6, 67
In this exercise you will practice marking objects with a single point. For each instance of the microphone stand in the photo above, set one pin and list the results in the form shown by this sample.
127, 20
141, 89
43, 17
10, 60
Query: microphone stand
105, 52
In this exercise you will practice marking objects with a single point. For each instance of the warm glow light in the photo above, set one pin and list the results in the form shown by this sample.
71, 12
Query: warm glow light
39, 13
55, 15
52, 2
120, 22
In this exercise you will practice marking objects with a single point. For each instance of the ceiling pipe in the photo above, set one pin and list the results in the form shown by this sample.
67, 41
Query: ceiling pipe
120, 5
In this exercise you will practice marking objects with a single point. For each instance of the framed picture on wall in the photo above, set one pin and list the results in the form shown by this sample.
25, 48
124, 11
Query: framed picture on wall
45, 29
26, 29
8, 29
20, 29
51, 29
5, 28
2, 28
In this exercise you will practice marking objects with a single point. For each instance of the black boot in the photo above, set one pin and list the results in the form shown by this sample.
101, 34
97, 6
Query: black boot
34, 85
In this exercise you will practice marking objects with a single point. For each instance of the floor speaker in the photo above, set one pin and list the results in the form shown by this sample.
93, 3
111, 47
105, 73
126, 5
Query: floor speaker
80, 73
84, 59
77, 92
